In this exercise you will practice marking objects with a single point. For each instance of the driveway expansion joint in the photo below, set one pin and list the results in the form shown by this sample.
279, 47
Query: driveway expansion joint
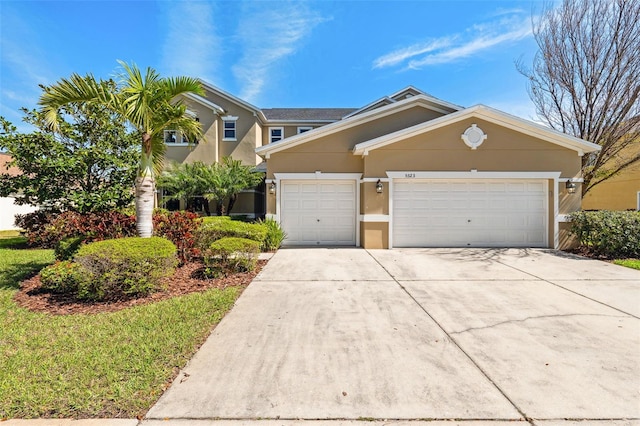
455, 342
554, 283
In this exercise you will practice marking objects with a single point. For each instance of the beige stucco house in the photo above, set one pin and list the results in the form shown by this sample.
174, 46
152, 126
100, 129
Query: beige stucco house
407, 170
234, 128
411, 170
620, 192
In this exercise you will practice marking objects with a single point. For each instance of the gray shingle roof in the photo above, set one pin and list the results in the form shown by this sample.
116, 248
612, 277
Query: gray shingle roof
306, 114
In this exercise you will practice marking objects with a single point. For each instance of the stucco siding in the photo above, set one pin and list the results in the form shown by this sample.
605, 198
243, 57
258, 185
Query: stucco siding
617, 193
444, 150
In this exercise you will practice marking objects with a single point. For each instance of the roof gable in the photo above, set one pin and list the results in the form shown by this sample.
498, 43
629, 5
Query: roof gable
231, 98
488, 114
423, 101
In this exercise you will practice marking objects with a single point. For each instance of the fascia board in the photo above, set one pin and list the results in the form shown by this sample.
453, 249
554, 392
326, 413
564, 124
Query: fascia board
294, 122
234, 99
369, 105
415, 89
484, 113
205, 102
398, 106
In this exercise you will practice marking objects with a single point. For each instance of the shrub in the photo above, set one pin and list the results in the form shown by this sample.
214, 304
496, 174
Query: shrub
213, 229
62, 277
124, 266
231, 254
67, 247
608, 233
180, 228
275, 235
34, 226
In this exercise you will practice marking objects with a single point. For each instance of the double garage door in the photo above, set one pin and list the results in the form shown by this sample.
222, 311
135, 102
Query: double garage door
319, 212
424, 212
470, 213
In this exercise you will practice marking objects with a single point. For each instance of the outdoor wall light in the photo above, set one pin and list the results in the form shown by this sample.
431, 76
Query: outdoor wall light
272, 188
379, 187
571, 187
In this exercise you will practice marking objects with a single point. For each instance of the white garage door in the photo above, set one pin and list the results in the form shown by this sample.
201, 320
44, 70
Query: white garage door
319, 212
470, 213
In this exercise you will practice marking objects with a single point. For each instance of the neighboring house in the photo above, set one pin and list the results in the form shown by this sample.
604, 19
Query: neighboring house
620, 192
235, 128
411, 170
8, 208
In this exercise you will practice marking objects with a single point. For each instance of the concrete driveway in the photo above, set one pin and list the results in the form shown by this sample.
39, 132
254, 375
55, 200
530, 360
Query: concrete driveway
480, 336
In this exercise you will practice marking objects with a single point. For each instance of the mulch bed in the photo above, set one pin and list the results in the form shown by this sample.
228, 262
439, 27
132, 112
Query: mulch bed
187, 279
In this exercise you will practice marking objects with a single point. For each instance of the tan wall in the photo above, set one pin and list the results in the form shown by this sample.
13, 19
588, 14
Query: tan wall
371, 202
333, 153
444, 150
617, 193
289, 130
566, 239
374, 235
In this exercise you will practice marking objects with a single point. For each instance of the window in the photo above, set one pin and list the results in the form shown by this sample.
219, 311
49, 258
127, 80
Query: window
638, 206
303, 129
276, 134
171, 136
229, 128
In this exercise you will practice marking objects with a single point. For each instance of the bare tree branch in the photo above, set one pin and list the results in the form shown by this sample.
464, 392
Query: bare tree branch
585, 79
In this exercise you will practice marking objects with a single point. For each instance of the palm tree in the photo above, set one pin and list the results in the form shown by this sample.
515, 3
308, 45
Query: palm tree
149, 104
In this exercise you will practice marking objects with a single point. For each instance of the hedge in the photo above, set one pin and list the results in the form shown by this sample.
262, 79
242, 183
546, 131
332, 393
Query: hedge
612, 234
231, 254
124, 267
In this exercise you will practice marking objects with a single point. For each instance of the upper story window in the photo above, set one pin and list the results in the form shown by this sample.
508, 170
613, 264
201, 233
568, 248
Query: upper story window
175, 137
172, 136
229, 128
303, 129
276, 134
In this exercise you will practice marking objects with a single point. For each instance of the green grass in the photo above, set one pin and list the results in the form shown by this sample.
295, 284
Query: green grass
9, 234
629, 263
104, 365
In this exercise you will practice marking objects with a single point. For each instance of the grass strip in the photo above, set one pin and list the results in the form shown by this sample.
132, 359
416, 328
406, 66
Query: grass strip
104, 365
629, 263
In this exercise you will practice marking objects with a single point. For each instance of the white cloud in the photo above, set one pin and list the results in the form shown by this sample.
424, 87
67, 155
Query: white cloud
451, 48
267, 33
400, 55
191, 47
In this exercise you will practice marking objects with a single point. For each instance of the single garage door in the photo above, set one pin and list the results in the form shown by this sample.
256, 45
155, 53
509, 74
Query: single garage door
470, 213
319, 212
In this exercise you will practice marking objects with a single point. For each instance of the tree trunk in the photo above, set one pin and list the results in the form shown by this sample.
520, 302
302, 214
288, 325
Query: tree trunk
145, 190
232, 201
145, 200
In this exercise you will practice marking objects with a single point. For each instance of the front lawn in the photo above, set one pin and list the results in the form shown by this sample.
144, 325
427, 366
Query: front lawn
102, 365
629, 263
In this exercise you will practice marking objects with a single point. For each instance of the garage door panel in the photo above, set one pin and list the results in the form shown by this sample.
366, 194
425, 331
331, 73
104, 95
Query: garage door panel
318, 212
471, 213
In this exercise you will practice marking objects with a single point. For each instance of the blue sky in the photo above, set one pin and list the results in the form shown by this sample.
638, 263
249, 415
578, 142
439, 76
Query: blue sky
278, 54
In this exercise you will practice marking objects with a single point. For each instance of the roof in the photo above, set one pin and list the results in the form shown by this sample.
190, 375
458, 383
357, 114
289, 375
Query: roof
424, 101
306, 114
11, 171
484, 113
228, 96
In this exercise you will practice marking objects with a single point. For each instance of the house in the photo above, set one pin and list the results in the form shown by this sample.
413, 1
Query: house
406, 170
234, 128
411, 170
8, 208
620, 192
